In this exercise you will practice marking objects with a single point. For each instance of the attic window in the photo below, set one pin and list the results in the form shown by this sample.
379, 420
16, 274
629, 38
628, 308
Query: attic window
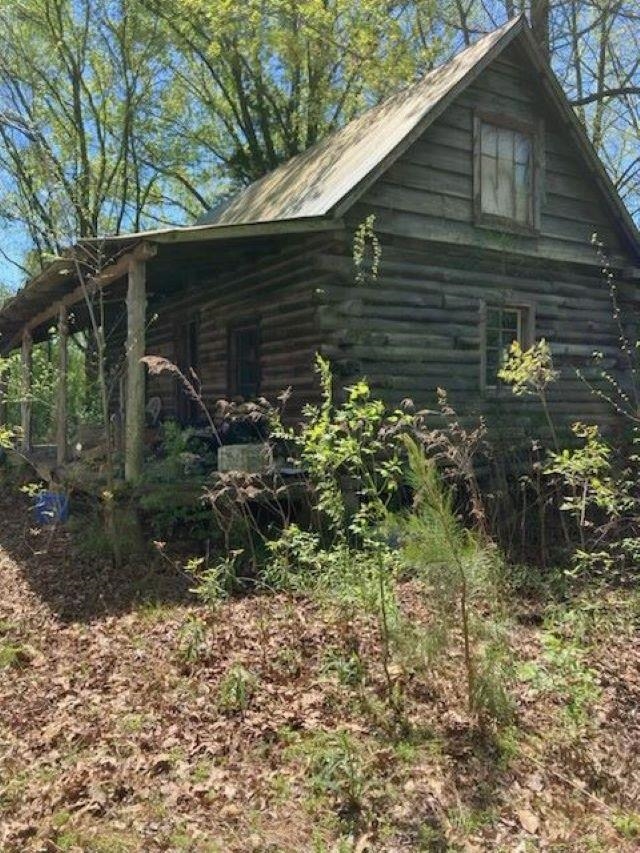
505, 174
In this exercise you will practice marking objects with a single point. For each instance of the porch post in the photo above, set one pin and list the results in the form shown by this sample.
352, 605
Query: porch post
61, 401
135, 398
3, 398
25, 404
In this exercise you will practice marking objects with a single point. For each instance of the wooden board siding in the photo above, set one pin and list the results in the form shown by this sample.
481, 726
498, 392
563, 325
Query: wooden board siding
277, 290
429, 190
418, 327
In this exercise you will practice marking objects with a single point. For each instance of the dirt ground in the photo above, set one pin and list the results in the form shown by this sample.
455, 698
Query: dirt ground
112, 740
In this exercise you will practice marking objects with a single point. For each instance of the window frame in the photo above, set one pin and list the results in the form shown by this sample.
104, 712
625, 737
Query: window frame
535, 130
248, 323
527, 336
186, 355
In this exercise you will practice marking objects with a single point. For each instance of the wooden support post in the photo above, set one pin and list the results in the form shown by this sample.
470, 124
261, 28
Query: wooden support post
135, 403
61, 401
4, 382
25, 405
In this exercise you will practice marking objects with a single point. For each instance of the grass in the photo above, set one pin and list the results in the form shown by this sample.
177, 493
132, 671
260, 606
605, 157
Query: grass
14, 655
627, 824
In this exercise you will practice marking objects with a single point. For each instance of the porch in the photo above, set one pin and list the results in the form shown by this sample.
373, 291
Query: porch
175, 293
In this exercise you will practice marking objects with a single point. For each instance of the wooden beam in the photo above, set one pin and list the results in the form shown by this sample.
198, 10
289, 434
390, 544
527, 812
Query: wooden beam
61, 395
25, 403
111, 273
135, 398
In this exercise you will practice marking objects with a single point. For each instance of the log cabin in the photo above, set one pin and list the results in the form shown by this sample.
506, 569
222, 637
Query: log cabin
484, 193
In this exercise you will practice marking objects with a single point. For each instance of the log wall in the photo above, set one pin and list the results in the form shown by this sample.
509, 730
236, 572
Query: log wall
276, 290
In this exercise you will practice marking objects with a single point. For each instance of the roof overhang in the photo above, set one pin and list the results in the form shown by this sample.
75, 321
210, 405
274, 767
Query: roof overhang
97, 261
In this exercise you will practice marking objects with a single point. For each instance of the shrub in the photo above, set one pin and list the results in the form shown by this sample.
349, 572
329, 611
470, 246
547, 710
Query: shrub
192, 640
461, 571
236, 690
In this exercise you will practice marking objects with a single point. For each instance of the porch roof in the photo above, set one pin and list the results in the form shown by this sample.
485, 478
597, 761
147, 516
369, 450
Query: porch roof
96, 262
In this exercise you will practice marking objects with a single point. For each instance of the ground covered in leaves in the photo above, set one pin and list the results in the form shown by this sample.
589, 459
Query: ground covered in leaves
124, 726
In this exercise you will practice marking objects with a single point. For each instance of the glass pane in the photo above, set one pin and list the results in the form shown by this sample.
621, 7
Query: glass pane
505, 145
503, 326
493, 338
505, 202
489, 140
489, 185
493, 317
523, 149
510, 320
506, 173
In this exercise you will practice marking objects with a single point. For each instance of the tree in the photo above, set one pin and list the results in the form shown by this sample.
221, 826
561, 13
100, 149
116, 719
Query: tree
267, 80
79, 80
116, 114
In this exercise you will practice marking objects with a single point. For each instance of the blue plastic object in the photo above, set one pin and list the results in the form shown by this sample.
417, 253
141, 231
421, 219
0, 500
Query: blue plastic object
51, 508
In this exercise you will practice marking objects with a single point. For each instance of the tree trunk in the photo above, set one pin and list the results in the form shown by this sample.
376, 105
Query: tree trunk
61, 401
540, 24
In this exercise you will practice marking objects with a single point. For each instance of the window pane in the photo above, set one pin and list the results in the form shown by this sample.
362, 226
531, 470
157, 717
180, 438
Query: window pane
505, 188
523, 149
503, 327
493, 338
510, 320
506, 184
488, 190
493, 317
489, 140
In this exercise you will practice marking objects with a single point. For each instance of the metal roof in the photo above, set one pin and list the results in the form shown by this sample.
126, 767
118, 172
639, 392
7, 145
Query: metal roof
312, 183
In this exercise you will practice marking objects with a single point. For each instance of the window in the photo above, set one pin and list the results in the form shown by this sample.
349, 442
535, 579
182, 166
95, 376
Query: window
503, 325
187, 334
505, 179
244, 361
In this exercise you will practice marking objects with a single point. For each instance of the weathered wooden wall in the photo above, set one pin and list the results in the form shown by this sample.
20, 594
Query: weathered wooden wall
275, 289
418, 326
428, 193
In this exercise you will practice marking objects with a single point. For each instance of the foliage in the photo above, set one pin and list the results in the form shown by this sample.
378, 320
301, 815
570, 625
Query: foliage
531, 371
366, 248
269, 82
13, 655
236, 689
337, 766
596, 484
192, 640
81, 392
528, 371
75, 160
214, 582
350, 447
562, 672
461, 571
587, 472
438, 781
